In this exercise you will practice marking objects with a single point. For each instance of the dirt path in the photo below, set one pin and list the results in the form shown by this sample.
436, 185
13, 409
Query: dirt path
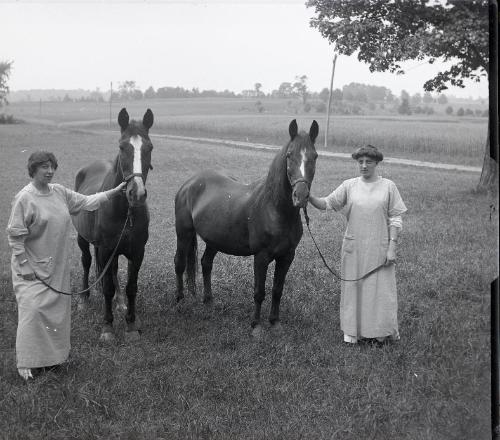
251, 145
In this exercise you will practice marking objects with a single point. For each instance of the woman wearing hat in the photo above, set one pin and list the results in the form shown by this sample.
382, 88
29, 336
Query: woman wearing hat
373, 207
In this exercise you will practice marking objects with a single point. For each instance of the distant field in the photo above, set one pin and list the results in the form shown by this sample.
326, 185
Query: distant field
429, 138
197, 374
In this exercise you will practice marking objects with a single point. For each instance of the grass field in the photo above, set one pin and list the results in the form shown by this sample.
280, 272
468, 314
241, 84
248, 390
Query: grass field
196, 373
437, 138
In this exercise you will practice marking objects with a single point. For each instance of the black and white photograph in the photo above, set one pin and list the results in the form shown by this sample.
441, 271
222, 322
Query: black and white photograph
249, 220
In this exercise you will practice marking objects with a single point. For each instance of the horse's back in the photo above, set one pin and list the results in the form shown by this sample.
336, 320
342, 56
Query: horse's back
217, 207
90, 180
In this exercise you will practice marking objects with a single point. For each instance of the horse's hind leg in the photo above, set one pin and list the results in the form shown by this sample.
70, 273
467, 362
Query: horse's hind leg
281, 269
192, 264
184, 247
86, 262
206, 265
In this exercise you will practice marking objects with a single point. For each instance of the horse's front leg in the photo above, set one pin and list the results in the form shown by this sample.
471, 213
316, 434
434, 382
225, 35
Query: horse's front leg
86, 262
281, 269
134, 265
108, 290
260, 264
119, 295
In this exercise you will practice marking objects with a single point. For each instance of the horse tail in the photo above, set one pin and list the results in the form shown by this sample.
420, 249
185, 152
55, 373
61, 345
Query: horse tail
192, 266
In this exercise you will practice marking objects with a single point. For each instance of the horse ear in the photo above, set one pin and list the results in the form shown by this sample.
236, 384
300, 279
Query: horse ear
148, 119
313, 131
293, 129
123, 118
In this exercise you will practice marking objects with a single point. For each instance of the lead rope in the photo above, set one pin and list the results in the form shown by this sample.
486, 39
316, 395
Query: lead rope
333, 271
106, 267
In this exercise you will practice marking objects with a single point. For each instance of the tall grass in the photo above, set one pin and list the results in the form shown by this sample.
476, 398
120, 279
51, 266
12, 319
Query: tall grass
197, 373
431, 138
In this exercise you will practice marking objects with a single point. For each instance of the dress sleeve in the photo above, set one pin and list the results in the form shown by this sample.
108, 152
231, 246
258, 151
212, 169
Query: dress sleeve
396, 207
396, 204
21, 218
337, 199
76, 201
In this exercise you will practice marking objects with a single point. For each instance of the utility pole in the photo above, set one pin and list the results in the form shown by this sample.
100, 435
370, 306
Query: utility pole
329, 102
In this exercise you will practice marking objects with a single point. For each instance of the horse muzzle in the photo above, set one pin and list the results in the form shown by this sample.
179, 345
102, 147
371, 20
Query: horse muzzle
300, 193
136, 192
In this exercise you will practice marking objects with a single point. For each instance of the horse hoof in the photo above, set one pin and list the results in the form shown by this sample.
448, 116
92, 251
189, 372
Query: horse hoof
120, 307
277, 328
132, 336
107, 337
208, 300
257, 332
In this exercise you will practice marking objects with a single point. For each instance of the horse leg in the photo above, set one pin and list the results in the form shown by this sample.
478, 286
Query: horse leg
108, 291
206, 264
260, 263
185, 255
281, 269
192, 260
119, 296
134, 265
86, 262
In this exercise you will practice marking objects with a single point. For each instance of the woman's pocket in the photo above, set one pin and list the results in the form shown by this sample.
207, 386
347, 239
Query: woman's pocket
348, 244
43, 267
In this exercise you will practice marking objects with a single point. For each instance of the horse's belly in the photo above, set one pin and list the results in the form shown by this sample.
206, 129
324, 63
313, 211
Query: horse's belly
89, 180
223, 226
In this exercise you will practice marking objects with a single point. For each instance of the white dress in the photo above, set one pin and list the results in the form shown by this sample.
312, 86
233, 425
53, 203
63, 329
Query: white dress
368, 308
40, 226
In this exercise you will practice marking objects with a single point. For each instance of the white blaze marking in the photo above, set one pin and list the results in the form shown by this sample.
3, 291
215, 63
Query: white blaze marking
303, 164
136, 142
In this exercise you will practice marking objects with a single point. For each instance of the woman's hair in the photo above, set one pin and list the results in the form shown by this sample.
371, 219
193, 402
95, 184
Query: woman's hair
39, 157
368, 151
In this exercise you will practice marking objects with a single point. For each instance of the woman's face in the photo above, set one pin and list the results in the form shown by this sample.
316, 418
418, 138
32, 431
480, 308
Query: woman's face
367, 166
44, 173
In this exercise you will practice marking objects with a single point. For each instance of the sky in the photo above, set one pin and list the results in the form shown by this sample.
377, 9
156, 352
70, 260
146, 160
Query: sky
208, 44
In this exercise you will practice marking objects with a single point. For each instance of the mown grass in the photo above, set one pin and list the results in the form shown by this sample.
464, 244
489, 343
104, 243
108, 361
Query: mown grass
196, 372
434, 138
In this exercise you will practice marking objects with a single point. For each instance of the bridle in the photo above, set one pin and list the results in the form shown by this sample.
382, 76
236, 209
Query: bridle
299, 180
131, 175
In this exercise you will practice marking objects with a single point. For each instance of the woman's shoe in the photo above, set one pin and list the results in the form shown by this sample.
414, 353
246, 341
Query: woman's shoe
25, 373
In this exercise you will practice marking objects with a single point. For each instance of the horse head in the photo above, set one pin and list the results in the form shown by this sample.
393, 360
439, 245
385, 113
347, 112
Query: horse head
134, 157
301, 158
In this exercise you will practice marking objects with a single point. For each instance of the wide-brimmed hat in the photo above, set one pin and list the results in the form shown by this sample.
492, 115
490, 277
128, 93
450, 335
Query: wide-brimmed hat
368, 151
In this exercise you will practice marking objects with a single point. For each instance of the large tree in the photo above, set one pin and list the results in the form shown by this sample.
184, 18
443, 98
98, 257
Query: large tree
4, 76
384, 33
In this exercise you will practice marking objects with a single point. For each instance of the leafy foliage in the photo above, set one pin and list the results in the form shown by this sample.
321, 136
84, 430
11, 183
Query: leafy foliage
385, 33
4, 76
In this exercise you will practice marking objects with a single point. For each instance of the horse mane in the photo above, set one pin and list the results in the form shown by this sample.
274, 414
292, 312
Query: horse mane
277, 177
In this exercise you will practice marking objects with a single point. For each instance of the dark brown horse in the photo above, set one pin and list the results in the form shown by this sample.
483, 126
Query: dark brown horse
260, 219
102, 228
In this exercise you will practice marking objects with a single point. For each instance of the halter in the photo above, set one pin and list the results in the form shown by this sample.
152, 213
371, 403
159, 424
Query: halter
300, 179
131, 175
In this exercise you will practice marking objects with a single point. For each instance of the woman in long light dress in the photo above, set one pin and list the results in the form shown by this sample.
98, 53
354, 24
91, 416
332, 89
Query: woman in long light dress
373, 207
38, 232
